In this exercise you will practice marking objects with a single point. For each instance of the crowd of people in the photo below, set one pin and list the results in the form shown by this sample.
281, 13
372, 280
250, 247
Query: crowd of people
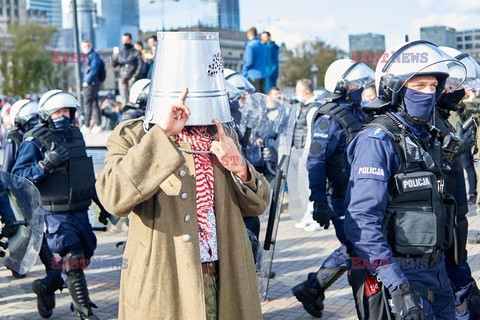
381, 163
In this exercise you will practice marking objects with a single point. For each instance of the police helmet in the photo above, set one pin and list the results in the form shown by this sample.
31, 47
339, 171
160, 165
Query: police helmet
139, 93
344, 72
472, 80
404, 61
55, 100
238, 80
23, 111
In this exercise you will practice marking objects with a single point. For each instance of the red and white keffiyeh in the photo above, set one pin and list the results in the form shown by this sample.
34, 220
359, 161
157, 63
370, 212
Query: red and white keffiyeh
200, 140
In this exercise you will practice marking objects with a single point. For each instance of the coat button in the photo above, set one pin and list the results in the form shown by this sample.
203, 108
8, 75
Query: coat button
186, 237
182, 173
183, 196
187, 218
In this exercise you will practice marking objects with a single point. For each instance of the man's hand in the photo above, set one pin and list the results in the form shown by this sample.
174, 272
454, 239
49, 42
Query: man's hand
322, 213
407, 303
174, 118
10, 229
54, 157
85, 84
226, 151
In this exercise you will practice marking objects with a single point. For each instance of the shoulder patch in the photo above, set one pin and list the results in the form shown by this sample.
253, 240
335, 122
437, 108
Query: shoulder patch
323, 125
377, 133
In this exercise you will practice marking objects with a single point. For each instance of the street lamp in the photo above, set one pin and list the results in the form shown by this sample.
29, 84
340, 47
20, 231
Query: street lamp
314, 70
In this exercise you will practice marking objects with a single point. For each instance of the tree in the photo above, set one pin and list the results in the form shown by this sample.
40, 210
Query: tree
300, 60
25, 61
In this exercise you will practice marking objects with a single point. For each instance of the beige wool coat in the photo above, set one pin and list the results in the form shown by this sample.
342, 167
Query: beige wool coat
149, 179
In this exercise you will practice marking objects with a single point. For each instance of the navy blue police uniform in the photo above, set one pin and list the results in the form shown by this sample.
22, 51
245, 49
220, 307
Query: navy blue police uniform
384, 215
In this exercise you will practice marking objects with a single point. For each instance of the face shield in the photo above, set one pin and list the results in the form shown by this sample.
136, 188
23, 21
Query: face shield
472, 80
359, 75
422, 58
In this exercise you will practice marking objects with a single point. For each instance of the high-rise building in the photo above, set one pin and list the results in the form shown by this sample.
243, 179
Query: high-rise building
11, 10
223, 14
468, 41
116, 17
366, 42
52, 9
440, 35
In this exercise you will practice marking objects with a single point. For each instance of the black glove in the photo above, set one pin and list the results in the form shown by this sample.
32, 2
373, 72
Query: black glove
456, 144
10, 228
322, 213
407, 303
54, 157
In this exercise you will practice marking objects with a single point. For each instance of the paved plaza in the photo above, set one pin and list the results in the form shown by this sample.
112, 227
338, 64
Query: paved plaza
297, 252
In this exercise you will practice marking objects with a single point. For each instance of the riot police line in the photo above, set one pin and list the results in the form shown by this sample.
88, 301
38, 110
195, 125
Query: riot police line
420, 153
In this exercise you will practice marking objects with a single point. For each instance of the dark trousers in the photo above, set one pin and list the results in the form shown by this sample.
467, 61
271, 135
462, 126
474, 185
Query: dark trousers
91, 104
467, 163
259, 85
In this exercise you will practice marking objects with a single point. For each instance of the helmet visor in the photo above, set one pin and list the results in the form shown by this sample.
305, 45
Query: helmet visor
451, 69
360, 75
472, 81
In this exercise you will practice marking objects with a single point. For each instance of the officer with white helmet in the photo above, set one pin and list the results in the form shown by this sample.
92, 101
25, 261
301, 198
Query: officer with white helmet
334, 126
24, 117
458, 142
137, 100
398, 214
53, 157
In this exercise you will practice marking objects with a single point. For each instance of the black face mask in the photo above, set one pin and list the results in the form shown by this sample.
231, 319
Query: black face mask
449, 101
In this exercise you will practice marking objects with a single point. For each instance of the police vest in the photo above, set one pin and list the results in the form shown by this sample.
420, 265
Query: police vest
15, 136
419, 220
343, 116
71, 186
301, 126
455, 185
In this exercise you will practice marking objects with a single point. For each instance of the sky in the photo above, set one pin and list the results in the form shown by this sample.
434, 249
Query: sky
293, 22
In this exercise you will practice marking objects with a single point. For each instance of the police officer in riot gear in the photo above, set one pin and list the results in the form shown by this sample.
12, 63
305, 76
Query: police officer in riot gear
334, 126
399, 220
23, 115
137, 100
455, 142
53, 157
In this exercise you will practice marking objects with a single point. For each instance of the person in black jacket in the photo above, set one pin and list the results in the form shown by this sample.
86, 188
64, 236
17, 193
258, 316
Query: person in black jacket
130, 62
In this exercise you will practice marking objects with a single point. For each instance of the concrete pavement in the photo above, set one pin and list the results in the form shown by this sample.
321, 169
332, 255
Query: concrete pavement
297, 252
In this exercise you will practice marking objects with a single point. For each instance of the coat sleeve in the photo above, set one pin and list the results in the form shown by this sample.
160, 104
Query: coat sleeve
135, 166
248, 59
373, 161
254, 195
26, 165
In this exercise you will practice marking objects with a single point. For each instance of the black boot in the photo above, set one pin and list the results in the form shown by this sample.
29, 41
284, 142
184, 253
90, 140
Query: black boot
77, 284
45, 290
311, 298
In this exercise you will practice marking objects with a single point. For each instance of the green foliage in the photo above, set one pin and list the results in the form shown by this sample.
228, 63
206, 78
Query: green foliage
300, 60
25, 61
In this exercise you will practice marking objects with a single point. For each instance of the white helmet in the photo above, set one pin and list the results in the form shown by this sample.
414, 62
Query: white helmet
344, 72
139, 93
55, 100
406, 60
22, 111
238, 81
472, 81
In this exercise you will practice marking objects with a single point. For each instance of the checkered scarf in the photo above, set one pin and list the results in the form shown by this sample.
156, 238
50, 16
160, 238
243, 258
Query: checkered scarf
200, 140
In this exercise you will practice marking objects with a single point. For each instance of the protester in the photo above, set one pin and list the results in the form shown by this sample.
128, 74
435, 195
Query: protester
91, 86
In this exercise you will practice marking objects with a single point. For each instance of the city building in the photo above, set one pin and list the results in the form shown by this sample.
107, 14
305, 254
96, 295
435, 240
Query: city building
116, 17
373, 42
11, 10
440, 35
221, 14
468, 41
